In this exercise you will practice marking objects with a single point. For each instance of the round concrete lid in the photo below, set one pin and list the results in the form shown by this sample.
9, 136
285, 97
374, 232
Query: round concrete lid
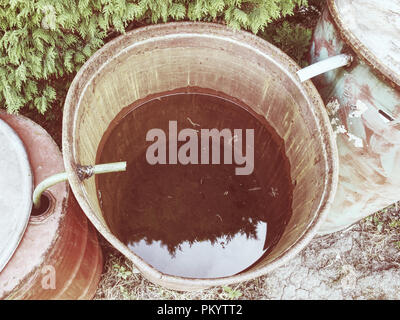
372, 28
16, 183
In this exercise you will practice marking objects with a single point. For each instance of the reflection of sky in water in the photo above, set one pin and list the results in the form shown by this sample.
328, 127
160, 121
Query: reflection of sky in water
211, 261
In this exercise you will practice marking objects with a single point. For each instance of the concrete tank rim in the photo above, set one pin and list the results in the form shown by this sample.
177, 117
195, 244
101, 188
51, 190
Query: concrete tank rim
378, 66
20, 225
256, 43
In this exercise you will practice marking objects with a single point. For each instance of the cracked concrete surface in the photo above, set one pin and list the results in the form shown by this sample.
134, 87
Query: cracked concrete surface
344, 265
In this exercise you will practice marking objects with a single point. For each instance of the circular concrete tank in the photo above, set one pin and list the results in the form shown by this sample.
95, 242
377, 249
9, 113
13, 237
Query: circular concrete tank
169, 56
364, 104
59, 256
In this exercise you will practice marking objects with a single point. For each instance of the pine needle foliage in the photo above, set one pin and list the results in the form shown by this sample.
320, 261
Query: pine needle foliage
292, 38
44, 42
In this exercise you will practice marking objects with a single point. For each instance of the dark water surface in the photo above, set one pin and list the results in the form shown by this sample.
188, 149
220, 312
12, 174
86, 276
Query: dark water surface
195, 220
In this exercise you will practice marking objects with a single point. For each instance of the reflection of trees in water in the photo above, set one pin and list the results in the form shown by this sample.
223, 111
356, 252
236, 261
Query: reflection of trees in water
174, 204
174, 239
178, 204
174, 233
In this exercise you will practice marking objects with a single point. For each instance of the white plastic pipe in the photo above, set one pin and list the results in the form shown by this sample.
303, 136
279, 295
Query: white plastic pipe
323, 66
63, 176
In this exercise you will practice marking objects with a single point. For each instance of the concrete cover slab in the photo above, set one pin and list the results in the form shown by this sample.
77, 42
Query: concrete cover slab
16, 185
